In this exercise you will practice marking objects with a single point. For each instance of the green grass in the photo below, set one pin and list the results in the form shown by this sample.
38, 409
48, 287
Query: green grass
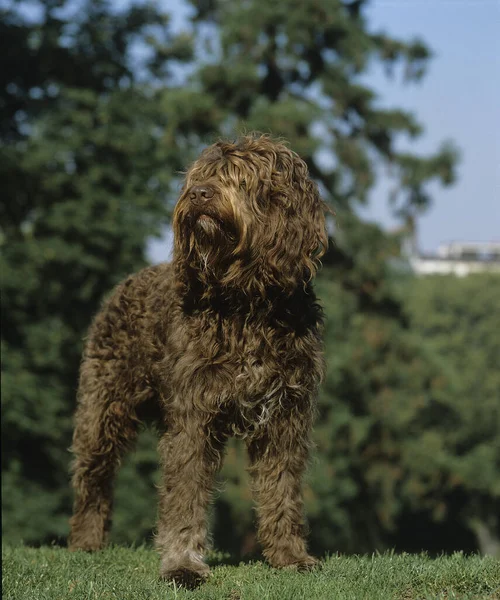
123, 573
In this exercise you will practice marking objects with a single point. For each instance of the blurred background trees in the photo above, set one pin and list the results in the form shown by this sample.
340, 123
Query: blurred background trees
83, 178
100, 109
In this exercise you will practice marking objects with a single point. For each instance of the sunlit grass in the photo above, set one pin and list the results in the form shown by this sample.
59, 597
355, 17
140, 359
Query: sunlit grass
123, 573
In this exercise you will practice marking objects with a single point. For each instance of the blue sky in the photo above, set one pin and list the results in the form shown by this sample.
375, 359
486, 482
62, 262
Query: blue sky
459, 100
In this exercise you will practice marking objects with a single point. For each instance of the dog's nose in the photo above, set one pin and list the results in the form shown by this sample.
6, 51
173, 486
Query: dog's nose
201, 193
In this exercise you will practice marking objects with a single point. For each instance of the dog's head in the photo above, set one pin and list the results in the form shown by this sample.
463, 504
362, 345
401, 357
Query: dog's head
249, 216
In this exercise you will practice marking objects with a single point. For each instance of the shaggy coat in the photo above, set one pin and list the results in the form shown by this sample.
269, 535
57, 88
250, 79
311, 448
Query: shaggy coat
225, 340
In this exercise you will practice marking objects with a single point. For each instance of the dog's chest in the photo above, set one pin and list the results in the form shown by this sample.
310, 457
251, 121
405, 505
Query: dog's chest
248, 369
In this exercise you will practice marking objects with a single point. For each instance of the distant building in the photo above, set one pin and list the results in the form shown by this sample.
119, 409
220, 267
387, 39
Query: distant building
457, 258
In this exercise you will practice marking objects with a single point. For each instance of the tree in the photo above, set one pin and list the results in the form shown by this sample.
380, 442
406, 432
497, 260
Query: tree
460, 319
376, 433
84, 174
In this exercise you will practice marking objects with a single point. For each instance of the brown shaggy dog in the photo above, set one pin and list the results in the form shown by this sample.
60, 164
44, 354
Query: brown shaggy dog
225, 340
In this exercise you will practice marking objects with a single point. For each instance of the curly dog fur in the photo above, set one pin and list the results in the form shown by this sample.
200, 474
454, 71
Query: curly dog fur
225, 340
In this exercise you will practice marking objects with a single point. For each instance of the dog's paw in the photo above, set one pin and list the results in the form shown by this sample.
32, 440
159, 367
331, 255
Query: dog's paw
86, 542
301, 564
188, 570
306, 564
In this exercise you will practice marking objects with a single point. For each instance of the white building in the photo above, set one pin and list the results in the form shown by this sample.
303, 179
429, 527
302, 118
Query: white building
458, 258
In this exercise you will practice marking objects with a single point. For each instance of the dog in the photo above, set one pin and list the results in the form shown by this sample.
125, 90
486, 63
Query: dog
226, 340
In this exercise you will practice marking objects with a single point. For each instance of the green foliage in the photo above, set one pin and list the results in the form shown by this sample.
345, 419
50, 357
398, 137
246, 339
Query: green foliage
459, 319
124, 574
83, 185
375, 433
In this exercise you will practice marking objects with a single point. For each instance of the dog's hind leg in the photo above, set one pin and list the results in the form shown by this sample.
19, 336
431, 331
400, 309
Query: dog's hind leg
106, 425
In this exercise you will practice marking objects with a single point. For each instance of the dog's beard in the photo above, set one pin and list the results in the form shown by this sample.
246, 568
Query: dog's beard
211, 241
208, 228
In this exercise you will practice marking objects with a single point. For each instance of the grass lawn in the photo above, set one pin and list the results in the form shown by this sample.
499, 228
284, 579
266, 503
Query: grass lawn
131, 574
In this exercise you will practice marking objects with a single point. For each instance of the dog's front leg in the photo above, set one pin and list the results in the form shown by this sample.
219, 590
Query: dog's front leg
278, 459
190, 457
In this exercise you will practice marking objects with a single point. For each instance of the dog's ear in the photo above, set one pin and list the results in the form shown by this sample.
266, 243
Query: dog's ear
293, 238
